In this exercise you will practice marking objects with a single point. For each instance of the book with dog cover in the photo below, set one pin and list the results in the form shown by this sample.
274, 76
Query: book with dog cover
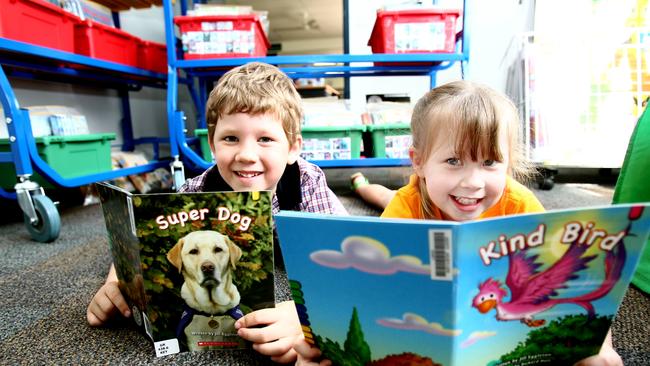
532, 289
191, 264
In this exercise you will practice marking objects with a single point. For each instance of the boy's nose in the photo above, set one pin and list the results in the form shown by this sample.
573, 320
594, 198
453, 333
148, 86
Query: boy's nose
247, 154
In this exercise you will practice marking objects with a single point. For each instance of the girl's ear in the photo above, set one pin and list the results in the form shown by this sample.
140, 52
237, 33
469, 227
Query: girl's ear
294, 150
416, 161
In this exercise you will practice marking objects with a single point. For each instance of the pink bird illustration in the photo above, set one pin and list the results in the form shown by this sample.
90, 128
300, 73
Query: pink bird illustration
534, 292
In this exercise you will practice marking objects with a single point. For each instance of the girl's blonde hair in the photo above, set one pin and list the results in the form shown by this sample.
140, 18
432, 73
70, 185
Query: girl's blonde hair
473, 116
256, 88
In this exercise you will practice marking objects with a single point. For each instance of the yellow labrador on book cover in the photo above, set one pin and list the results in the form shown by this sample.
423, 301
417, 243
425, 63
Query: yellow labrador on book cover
206, 259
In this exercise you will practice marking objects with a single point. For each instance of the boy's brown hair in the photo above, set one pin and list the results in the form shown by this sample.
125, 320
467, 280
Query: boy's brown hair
474, 116
256, 88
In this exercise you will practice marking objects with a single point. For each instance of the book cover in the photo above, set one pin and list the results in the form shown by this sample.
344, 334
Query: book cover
191, 264
534, 289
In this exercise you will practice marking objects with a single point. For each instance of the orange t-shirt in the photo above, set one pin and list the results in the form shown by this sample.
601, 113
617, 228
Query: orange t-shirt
516, 199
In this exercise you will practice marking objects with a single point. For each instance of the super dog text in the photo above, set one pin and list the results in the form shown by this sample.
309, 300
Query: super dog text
182, 217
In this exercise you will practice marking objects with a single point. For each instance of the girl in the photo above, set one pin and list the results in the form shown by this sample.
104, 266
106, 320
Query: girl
466, 155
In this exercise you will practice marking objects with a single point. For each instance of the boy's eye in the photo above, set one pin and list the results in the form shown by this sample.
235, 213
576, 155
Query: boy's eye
453, 161
230, 139
265, 139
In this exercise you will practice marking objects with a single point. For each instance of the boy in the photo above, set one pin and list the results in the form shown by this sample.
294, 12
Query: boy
254, 115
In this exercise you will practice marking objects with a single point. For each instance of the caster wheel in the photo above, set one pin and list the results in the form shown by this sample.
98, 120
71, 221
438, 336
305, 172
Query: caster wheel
49, 222
546, 184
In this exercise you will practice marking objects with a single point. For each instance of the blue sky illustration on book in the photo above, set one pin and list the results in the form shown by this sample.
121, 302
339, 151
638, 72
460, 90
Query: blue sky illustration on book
384, 271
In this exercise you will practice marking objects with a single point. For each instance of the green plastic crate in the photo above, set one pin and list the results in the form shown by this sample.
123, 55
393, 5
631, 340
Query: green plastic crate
202, 134
391, 140
332, 142
70, 156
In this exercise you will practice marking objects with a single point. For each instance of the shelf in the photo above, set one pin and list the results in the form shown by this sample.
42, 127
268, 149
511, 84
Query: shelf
31, 57
118, 5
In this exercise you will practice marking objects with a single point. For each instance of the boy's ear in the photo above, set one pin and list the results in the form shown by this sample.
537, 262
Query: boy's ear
294, 150
416, 161
211, 143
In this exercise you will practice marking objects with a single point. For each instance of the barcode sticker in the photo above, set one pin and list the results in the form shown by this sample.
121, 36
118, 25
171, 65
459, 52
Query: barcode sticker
441, 255
167, 347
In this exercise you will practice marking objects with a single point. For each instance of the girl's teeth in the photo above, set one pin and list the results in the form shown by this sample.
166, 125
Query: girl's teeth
466, 201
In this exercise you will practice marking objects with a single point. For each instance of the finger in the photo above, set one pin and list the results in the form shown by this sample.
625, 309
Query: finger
288, 357
305, 349
115, 296
258, 317
275, 348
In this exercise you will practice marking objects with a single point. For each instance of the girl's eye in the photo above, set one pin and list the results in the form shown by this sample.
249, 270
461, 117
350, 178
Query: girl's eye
453, 161
489, 163
265, 139
230, 139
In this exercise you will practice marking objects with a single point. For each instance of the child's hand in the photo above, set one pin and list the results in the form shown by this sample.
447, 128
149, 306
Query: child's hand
275, 331
107, 301
606, 357
308, 355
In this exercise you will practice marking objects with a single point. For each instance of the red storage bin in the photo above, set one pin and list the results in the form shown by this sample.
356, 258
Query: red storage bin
218, 36
152, 56
414, 31
37, 22
107, 43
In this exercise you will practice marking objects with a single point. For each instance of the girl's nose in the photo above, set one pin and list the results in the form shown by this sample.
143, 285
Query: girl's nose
473, 178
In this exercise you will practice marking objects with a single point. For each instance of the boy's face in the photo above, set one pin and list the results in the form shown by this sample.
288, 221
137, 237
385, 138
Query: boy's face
252, 151
461, 189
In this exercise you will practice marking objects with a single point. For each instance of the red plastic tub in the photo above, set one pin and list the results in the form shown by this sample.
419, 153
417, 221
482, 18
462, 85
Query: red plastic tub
37, 22
152, 56
219, 36
414, 31
107, 43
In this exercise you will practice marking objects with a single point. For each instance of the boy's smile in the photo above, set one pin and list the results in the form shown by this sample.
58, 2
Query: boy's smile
252, 152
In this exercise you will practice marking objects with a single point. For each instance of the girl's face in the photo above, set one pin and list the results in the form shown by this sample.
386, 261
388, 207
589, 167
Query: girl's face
462, 189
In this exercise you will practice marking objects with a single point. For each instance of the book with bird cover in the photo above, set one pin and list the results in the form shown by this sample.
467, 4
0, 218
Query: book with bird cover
190, 264
532, 289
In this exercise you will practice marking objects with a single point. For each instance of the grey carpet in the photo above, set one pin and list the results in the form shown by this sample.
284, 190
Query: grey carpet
45, 288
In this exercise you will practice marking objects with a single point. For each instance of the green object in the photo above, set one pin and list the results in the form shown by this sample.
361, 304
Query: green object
321, 140
633, 185
70, 156
382, 135
202, 134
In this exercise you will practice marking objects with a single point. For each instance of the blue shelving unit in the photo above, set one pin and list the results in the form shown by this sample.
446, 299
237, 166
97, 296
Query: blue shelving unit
295, 66
28, 61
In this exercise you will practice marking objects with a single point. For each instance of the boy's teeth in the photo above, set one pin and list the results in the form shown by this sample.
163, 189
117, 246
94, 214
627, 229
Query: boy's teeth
247, 175
466, 201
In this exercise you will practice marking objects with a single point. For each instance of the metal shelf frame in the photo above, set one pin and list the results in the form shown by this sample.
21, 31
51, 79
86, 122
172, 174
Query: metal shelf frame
23, 60
295, 66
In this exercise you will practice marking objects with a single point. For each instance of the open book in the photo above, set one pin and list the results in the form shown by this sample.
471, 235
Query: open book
190, 264
531, 289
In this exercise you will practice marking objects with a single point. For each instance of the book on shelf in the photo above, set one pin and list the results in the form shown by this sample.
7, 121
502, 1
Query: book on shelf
531, 289
191, 264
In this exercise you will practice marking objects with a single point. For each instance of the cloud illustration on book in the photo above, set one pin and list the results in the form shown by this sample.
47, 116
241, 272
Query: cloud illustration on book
475, 337
412, 321
369, 255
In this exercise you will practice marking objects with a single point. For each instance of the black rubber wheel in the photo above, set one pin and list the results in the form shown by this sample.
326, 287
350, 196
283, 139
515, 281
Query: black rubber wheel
546, 184
48, 226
